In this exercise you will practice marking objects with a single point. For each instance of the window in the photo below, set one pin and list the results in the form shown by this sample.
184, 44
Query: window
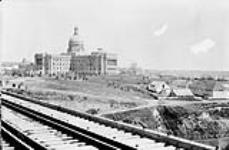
112, 62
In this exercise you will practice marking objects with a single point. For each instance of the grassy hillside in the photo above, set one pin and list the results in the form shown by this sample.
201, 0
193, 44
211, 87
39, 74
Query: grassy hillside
193, 121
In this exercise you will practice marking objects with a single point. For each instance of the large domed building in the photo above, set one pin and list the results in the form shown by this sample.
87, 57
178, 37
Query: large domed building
75, 45
76, 60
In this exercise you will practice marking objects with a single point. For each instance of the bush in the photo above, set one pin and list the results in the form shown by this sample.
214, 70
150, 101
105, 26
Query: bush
71, 97
92, 111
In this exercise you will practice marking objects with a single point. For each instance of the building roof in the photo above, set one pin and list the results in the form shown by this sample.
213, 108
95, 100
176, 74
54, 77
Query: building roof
221, 87
182, 92
158, 82
62, 55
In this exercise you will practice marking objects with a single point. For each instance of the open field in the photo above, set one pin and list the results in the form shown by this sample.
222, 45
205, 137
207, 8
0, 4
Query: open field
103, 94
83, 95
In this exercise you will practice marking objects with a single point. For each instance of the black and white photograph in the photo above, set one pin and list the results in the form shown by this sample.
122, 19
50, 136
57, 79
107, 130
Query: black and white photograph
114, 74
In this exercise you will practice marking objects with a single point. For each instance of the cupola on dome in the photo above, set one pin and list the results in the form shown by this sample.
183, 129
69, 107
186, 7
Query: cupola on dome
75, 45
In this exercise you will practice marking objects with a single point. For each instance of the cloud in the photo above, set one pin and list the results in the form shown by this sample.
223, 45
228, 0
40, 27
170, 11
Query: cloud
202, 47
161, 30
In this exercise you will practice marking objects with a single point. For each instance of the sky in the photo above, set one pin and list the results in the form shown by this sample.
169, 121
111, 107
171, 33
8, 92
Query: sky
155, 34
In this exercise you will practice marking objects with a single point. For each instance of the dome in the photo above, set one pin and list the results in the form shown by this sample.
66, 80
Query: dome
74, 43
75, 38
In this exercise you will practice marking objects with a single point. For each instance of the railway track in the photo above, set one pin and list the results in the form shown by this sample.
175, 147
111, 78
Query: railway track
6, 145
11, 142
44, 136
87, 133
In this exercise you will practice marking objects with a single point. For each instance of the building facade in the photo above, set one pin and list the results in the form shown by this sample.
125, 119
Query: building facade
57, 64
77, 61
108, 61
220, 91
52, 64
39, 60
97, 63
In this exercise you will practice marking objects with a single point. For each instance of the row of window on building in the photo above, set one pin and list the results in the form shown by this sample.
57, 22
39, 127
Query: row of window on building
99, 64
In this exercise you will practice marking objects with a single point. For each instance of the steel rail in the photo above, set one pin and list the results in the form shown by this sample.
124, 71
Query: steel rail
14, 141
90, 137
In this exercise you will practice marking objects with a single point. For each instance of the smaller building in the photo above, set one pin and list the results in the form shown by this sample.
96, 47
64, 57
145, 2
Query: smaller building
2, 83
181, 93
8, 66
220, 94
39, 60
220, 91
160, 88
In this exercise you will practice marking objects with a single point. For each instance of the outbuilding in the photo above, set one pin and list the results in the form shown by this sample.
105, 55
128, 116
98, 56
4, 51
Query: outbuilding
184, 92
160, 88
220, 91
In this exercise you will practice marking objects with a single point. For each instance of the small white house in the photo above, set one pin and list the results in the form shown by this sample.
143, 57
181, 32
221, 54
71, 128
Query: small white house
159, 87
220, 91
221, 94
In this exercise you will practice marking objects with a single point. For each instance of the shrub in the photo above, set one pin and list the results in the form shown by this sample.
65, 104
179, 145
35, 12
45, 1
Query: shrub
92, 111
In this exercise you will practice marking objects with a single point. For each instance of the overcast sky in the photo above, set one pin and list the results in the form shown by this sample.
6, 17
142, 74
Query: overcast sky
157, 34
